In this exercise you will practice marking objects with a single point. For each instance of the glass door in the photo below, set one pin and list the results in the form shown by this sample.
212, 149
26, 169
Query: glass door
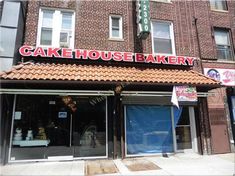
59, 129
90, 127
185, 133
82, 132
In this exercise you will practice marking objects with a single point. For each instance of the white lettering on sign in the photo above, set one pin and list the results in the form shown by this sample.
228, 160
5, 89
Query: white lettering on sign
105, 55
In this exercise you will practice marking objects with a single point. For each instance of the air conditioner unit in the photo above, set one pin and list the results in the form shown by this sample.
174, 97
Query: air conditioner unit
64, 45
65, 40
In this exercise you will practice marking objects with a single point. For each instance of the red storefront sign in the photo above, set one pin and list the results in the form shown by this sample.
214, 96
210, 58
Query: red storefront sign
105, 55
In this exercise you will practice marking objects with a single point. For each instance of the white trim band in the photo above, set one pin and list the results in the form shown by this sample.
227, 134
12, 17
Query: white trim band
160, 93
56, 92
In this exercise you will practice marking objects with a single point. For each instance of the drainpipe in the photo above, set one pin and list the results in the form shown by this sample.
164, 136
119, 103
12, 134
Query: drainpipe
198, 43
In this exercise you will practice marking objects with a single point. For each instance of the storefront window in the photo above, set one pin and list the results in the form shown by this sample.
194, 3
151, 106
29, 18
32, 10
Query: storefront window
148, 130
51, 127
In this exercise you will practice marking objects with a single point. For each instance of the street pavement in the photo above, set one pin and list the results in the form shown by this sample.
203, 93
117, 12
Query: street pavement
177, 164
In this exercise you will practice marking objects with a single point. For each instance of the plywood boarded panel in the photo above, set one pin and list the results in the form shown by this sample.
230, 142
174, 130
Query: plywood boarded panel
217, 116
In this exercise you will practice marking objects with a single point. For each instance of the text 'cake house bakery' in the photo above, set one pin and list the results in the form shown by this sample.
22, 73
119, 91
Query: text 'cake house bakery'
105, 55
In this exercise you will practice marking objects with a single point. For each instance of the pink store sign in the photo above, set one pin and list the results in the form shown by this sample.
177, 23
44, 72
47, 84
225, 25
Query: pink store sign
225, 76
186, 93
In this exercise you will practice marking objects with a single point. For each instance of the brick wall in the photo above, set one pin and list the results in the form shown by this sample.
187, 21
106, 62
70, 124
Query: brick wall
228, 65
204, 126
92, 24
218, 99
181, 14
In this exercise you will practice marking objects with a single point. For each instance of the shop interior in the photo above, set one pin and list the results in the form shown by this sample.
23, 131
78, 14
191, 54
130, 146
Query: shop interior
51, 127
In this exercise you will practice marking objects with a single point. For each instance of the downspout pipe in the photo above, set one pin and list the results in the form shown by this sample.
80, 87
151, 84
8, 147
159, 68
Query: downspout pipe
198, 43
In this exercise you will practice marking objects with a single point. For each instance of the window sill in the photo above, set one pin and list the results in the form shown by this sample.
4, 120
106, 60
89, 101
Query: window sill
226, 61
219, 61
116, 39
165, 54
45, 46
165, 2
217, 10
51, 46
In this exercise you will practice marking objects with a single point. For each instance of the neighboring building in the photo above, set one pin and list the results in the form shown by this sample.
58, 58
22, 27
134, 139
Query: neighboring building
95, 84
219, 63
12, 23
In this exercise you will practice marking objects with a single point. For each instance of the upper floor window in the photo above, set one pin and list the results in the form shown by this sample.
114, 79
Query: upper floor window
223, 44
56, 28
218, 5
115, 27
163, 38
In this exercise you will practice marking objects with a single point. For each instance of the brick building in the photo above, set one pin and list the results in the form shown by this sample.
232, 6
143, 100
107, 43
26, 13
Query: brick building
91, 83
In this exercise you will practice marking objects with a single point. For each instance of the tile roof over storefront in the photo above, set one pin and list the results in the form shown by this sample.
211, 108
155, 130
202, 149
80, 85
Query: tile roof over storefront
73, 72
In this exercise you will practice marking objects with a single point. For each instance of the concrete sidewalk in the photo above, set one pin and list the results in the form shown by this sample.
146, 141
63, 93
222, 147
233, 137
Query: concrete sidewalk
178, 164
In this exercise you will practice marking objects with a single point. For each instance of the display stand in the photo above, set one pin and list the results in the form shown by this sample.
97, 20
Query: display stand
26, 143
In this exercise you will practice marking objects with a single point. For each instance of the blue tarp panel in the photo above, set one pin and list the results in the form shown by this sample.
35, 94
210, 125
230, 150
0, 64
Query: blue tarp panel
148, 129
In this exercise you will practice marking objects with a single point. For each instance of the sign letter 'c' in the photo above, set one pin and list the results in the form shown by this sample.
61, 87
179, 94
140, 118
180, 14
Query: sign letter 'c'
25, 50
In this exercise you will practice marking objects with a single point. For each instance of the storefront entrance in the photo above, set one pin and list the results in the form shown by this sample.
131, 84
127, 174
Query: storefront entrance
49, 127
185, 129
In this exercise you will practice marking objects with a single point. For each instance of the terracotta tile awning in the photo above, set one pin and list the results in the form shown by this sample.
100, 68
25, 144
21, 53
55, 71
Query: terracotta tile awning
73, 72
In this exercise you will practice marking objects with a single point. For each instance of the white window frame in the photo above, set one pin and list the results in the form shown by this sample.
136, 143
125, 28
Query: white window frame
120, 37
213, 7
56, 27
171, 36
228, 45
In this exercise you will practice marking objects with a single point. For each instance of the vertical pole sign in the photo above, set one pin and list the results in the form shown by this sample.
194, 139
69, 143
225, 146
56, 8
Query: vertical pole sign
143, 18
